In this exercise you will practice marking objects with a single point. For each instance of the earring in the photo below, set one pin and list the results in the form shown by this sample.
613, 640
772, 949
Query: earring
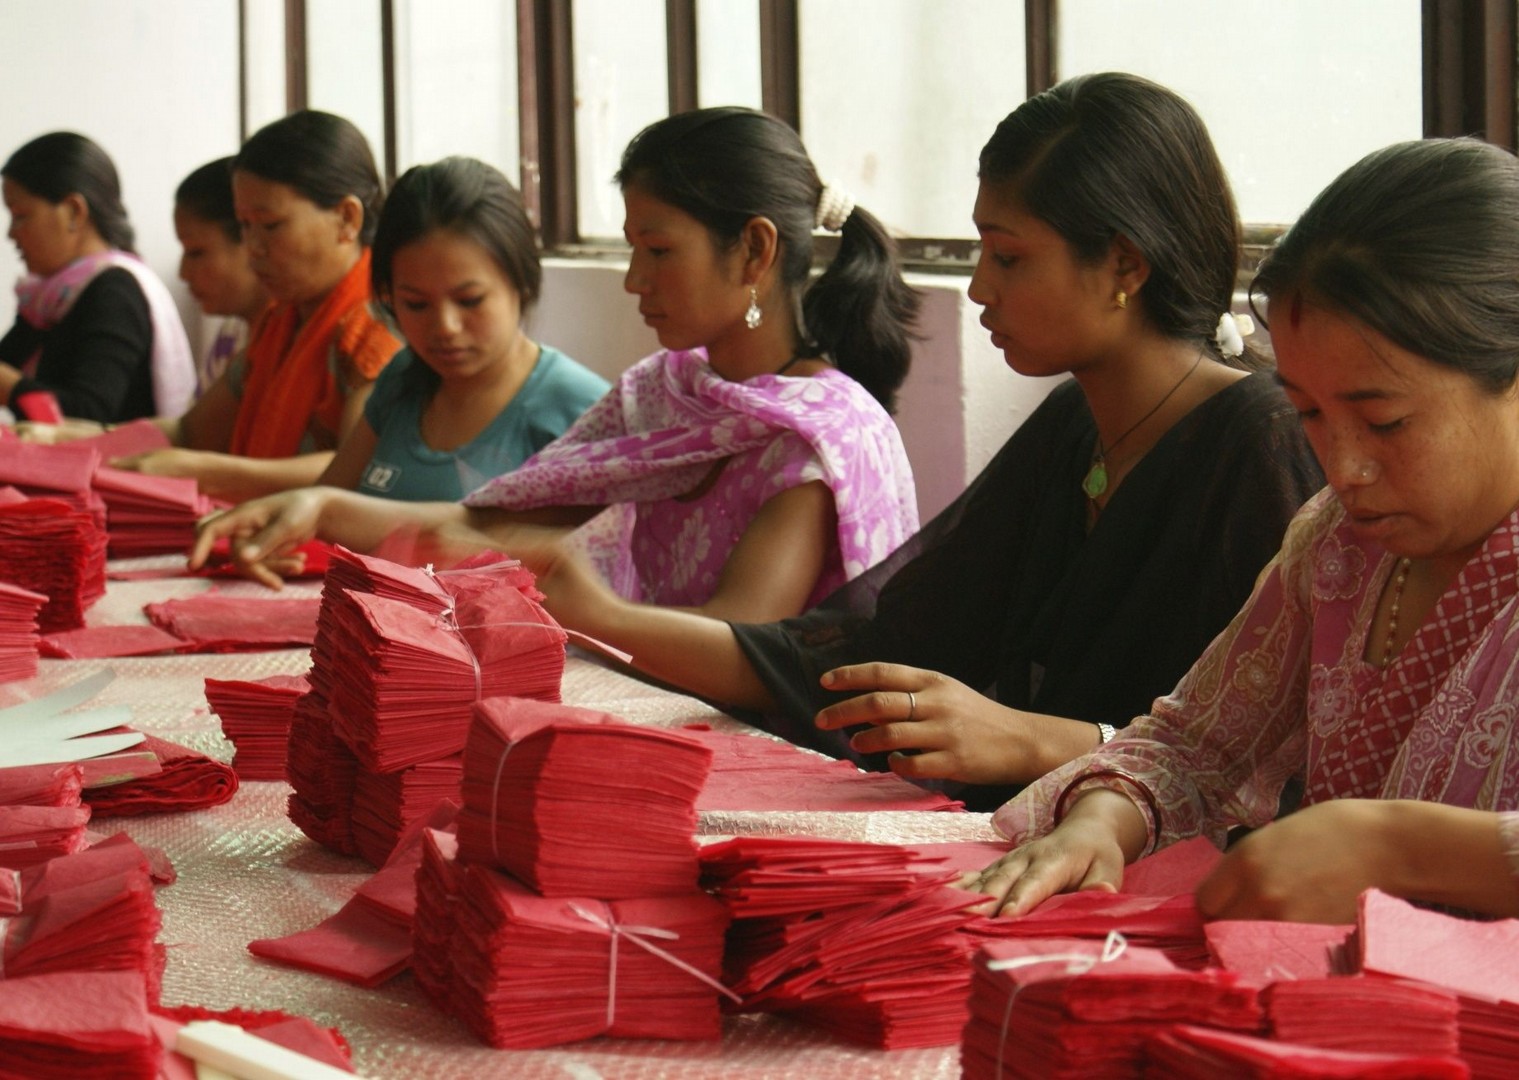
752, 315
1122, 299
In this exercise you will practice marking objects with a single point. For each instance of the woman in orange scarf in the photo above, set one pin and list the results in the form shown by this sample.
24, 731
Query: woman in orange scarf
307, 196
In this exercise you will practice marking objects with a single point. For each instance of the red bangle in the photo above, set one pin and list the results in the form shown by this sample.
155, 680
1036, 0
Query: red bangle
1124, 778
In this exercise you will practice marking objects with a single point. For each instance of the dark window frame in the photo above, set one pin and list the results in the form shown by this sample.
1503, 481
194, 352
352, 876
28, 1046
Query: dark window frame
1469, 88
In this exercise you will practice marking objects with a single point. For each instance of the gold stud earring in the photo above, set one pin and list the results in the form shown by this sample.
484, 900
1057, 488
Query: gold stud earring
1122, 299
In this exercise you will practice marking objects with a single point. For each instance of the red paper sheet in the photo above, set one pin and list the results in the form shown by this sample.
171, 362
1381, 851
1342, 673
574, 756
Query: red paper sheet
188, 781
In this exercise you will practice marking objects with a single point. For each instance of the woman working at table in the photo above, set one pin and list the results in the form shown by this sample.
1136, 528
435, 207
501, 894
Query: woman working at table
752, 463
1378, 653
1111, 538
307, 196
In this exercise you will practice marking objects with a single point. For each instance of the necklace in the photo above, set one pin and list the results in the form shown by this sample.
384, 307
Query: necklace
1096, 480
1404, 566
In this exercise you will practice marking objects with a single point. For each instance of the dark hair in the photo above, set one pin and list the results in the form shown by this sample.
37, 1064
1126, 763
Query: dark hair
322, 156
1111, 154
63, 163
464, 196
725, 166
1420, 242
207, 194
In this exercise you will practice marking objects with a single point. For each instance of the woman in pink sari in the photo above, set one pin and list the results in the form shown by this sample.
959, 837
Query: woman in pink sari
1378, 657
749, 467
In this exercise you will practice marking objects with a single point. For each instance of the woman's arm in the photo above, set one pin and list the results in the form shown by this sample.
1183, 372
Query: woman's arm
353, 455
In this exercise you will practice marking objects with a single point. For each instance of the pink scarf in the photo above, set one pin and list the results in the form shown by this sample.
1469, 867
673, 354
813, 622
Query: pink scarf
43, 303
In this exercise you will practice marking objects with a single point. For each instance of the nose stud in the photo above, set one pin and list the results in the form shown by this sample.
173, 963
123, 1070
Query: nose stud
1364, 473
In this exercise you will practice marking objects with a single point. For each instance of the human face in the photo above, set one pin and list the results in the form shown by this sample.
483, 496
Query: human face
1047, 311
1424, 460
692, 294
456, 307
215, 267
41, 230
298, 250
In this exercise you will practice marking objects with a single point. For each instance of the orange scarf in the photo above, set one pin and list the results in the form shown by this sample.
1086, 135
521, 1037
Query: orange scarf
290, 386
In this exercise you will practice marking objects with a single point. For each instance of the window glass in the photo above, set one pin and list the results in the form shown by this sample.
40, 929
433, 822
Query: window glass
898, 97
728, 53
621, 86
1293, 91
344, 68
456, 92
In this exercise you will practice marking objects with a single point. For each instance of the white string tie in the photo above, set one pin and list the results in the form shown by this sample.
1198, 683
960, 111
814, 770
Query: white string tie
1077, 963
637, 935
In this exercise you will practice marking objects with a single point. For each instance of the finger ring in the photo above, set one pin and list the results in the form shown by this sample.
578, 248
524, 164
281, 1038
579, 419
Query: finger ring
912, 705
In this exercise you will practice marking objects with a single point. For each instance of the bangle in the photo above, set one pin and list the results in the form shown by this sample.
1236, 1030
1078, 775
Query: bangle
1126, 781
1105, 733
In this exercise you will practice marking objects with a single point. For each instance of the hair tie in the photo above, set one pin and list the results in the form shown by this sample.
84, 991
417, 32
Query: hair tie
1232, 332
835, 204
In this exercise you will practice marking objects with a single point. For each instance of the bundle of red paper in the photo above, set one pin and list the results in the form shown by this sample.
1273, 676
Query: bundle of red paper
50, 547
41, 785
256, 716
433, 925
756, 772
384, 805
1351, 1013
19, 610
184, 780
542, 781
91, 911
1474, 959
321, 769
1069, 1007
1197, 1053
64, 471
532, 971
45, 1034
149, 515
33, 834
863, 940
404, 696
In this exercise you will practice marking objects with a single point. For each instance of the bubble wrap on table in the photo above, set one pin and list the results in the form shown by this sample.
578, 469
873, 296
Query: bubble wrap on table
246, 872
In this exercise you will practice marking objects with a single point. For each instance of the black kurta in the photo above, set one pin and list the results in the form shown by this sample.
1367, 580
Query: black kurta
1007, 592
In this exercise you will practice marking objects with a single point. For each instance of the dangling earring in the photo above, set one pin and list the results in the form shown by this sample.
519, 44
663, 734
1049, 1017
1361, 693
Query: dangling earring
1122, 299
753, 316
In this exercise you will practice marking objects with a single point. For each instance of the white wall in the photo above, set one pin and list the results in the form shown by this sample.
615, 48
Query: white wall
958, 406
152, 81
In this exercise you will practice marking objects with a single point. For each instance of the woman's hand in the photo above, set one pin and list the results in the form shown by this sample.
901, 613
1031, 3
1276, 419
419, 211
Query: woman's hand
171, 461
1085, 851
262, 533
957, 733
34, 431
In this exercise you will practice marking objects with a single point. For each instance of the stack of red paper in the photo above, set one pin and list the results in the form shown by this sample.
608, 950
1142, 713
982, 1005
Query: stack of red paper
76, 1024
41, 785
52, 548
91, 911
542, 782
404, 696
433, 926
65, 471
1473, 959
1351, 1013
149, 515
1067, 1007
19, 609
384, 804
531, 971
1196, 1053
34, 834
756, 772
256, 716
321, 769
862, 940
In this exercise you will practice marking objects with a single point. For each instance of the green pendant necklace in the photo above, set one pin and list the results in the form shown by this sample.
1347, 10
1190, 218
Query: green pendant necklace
1095, 482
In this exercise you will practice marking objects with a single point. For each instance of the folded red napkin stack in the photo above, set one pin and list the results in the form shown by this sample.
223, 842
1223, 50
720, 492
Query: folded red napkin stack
1196, 1053
65, 471
149, 515
41, 785
400, 657
542, 782
50, 547
1071, 1007
19, 609
612, 936
184, 780
34, 834
90, 911
863, 940
1473, 959
255, 716
1351, 1014
73, 1024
